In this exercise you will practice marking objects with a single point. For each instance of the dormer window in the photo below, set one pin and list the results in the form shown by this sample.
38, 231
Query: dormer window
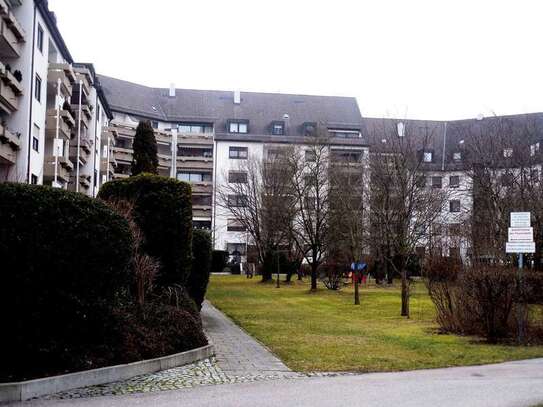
309, 129
342, 133
428, 156
507, 152
278, 128
238, 126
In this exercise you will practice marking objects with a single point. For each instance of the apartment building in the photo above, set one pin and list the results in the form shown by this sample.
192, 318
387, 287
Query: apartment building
52, 109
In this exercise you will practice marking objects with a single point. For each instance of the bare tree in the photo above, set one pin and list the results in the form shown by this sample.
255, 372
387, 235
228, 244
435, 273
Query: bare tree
403, 207
348, 223
256, 196
308, 167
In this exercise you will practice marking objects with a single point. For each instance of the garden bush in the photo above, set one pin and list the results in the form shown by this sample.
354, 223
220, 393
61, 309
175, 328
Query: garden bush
218, 260
201, 266
163, 212
65, 263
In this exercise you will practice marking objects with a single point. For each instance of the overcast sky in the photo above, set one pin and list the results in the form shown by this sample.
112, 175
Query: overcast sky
409, 59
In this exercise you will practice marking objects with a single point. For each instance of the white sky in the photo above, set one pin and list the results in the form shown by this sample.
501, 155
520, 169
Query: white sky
438, 59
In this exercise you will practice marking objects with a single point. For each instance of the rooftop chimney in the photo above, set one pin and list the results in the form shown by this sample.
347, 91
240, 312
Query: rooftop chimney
237, 97
172, 90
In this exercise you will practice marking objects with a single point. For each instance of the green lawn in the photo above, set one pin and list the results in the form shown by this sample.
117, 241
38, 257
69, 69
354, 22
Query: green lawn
323, 331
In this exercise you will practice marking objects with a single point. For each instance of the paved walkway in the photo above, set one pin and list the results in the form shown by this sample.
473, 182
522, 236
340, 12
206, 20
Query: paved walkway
513, 384
237, 353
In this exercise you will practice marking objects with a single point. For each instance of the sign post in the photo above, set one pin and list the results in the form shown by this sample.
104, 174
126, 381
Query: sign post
520, 241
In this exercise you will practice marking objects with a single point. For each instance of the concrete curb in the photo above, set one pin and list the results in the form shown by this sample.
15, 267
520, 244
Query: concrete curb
19, 391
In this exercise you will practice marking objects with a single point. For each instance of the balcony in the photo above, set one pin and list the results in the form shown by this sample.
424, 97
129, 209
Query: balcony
85, 118
64, 168
204, 187
9, 145
119, 175
201, 163
85, 181
123, 154
195, 138
163, 137
84, 151
164, 160
83, 75
12, 35
65, 73
65, 124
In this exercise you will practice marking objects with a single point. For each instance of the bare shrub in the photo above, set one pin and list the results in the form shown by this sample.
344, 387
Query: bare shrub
144, 267
331, 275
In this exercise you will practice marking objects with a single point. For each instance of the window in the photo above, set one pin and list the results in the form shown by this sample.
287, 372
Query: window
310, 202
428, 156
420, 181
233, 225
454, 181
454, 205
194, 176
98, 118
457, 156
508, 152
534, 175
238, 126
278, 128
507, 179
37, 90
195, 128
454, 252
454, 229
236, 249
194, 152
33, 179
436, 229
39, 40
436, 182
237, 152
237, 201
154, 124
238, 177
310, 156
309, 129
275, 153
344, 133
346, 156
35, 138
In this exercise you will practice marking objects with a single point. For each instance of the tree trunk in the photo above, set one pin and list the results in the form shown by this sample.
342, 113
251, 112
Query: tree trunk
314, 276
405, 295
356, 289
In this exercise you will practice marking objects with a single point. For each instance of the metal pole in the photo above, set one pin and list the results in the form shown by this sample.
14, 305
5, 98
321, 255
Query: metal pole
277, 269
520, 306
78, 137
55, 143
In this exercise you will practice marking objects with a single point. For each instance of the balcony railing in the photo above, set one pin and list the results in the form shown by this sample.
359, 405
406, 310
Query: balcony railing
123, 154
10, 90
203, 163
65, 73
65, 125
195, 138
64, 168
202, 187
9, 145
83, 75
164, 160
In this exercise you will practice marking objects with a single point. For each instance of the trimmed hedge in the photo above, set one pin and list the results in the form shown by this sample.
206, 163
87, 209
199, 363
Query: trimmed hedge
163, 212
201, 265
65, 262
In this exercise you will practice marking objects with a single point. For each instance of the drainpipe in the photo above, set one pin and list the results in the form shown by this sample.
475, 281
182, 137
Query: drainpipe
97, 142
78, 137
57, 129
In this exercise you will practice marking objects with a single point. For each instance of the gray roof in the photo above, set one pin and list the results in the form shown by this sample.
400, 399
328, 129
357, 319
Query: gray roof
217, 107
